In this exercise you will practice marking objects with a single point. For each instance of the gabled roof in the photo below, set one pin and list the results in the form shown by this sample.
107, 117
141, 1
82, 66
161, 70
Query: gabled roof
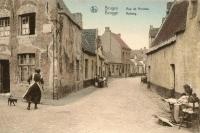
121, 42
66, 11
174, 23
89, 40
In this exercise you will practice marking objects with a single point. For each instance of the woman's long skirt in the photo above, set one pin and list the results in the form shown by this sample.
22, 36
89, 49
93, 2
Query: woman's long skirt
33, 94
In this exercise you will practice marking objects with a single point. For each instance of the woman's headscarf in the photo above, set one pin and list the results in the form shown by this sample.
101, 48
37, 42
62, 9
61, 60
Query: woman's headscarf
187, 89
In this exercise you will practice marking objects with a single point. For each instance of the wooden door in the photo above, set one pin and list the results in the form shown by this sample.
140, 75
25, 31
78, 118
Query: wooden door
4, 76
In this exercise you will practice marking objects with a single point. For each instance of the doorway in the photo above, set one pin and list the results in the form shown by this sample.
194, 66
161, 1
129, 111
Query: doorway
4, 76
149, 77
173, 79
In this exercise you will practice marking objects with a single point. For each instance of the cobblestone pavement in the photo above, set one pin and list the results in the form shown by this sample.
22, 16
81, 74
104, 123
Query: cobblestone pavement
126, 106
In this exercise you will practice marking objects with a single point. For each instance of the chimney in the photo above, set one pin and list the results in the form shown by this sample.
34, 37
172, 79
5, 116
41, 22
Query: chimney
78, 18
107, 29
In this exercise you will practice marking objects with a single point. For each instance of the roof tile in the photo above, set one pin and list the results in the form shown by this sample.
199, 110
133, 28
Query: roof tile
89, 40
174, 23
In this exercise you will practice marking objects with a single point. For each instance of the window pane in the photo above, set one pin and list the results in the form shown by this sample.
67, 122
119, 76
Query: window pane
25, 25
25, 20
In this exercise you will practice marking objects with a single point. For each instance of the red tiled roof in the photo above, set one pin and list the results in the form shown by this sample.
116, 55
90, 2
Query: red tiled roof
122, 43
174, 23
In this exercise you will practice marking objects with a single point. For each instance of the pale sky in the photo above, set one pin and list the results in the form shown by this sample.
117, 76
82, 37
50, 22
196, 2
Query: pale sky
133, 28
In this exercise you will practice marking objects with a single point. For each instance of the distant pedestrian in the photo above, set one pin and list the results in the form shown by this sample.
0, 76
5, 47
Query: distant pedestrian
33, 94
106, 82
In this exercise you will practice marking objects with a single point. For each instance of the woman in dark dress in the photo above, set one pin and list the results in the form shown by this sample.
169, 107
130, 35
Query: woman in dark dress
34, 92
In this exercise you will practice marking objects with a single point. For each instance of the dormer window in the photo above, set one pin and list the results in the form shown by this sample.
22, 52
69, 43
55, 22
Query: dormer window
4, 26
28, 24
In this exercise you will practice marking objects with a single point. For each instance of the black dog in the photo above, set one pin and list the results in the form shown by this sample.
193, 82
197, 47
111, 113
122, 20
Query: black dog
12, 100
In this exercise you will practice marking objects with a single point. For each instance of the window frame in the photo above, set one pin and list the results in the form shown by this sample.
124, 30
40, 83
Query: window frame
4, 26
27, 24
26, 61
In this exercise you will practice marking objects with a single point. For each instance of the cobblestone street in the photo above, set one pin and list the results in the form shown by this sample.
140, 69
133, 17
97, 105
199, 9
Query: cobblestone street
126, 106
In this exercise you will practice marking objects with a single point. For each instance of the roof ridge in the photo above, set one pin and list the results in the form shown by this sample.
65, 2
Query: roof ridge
173, 23
120, 40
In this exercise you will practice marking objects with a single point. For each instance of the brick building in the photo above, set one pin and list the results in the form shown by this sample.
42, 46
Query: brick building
117, 53
173, 59
42, 34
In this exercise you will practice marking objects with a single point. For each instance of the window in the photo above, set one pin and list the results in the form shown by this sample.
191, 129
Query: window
4, 26
28, 24
26, 63
86, 68
25, 25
